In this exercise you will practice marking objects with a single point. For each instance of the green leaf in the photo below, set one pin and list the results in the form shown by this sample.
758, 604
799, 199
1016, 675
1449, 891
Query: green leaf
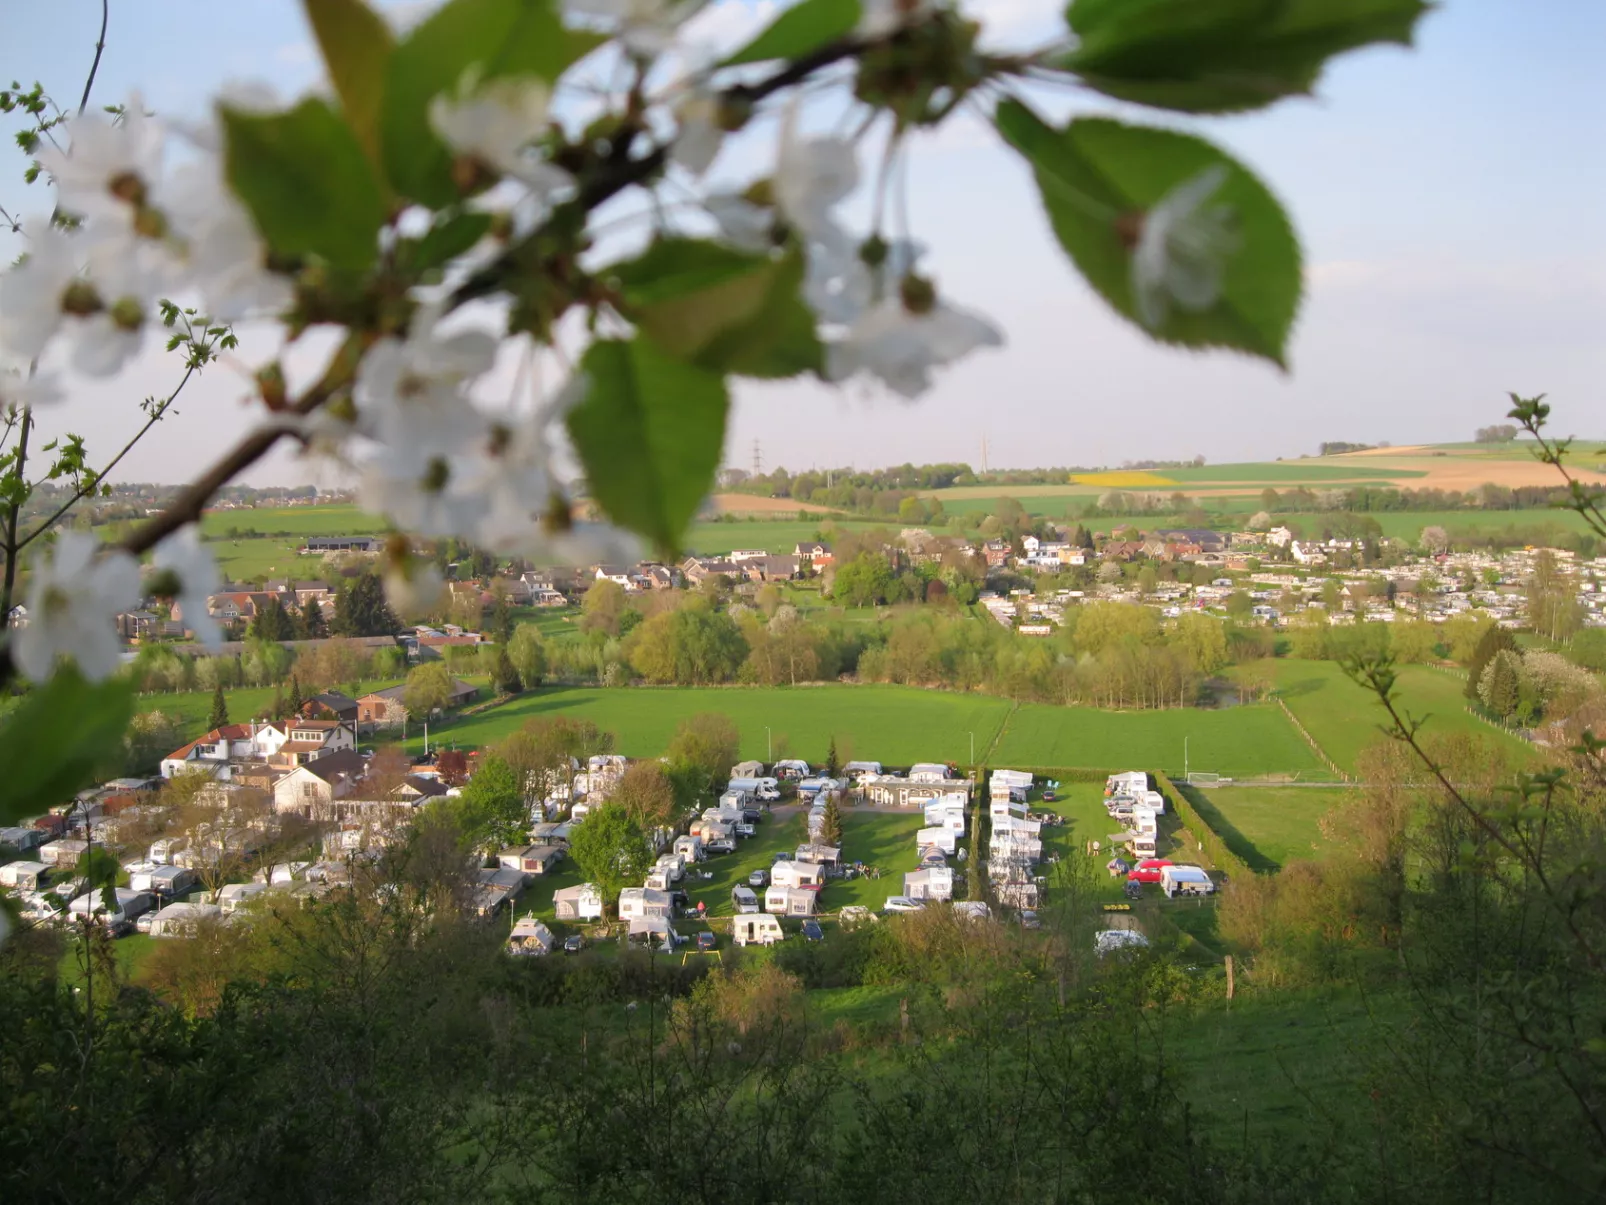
650, 433
356, 45
448, 240
310, 188
723, 309
800, 30
1098, 177
59, 740
1218, 56
503, 38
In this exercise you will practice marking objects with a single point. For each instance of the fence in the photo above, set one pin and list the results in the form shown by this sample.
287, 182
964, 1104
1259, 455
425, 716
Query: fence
1310, 740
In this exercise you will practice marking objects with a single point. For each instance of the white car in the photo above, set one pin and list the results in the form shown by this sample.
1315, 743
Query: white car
903, 903
1111, 940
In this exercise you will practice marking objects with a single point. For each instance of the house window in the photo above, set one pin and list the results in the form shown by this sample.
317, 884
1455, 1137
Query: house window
308, 791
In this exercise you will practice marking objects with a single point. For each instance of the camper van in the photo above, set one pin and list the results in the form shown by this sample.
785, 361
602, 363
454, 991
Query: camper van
1185, 880
745, 899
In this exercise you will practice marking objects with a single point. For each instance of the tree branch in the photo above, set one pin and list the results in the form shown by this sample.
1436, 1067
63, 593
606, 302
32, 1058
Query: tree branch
100, 46
341, 371
11, 518
83, 492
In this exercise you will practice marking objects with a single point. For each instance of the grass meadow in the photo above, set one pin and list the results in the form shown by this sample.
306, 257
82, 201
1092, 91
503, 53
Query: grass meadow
893, 724
1344, 719
1268, 827
1241, 742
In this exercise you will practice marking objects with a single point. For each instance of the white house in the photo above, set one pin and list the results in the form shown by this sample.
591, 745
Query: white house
932, 883
582, 902
315, 784
929, 772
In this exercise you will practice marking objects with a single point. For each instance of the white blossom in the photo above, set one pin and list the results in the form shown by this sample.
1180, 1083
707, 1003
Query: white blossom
879, 18
18, 389
413, 588
412, 390
494, 121
73, 599
700, 136
901, 348
419, 493
839, 286
111, 166
646, 28
812, 176
128, 276
224, 256
1182, 249
188, 560
31, 293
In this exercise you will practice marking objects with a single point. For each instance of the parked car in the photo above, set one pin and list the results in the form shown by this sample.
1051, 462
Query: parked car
759, 878
1029, 919
751, 815
1111, 940
745, 830
706, 942
1148, 870
1049, 797
721, 845
783, 856
812, 931
902, 903
573, 944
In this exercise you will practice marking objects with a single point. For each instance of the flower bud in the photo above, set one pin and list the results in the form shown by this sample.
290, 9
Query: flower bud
919, 294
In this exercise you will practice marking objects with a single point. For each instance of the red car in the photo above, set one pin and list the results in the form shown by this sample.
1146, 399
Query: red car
1148, 870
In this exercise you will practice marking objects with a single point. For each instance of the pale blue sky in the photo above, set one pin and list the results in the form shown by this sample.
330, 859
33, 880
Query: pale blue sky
1449, 200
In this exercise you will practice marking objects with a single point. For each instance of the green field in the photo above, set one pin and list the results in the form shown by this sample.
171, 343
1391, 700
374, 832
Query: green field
893, 724
245, 560
775, 536
1344, 719
333, 519
1241, 742
1270, 826
1289, 472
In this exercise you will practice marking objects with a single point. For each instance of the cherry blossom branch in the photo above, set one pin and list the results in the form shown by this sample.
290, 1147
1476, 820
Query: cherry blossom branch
342, 370
12, 514
620, 171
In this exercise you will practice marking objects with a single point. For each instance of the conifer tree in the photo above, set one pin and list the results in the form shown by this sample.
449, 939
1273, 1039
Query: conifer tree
220, 710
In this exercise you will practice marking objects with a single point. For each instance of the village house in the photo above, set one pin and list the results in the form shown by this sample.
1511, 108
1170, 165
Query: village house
387, 708
313, 739
814, 556
312, 786
221, 751
532, 859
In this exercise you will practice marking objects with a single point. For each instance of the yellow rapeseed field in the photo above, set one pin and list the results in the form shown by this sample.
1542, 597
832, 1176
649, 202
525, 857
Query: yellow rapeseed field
1122, 479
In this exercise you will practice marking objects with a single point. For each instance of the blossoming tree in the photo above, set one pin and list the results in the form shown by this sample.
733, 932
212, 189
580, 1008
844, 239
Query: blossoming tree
438, 207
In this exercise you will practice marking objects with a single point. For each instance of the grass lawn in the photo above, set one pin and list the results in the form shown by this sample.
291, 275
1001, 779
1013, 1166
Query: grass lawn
1270, 826
1237, 741
130, 953
892, 724
1344, 719
883, 841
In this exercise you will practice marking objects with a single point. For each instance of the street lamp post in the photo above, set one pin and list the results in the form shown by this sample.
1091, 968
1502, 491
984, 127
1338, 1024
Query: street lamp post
972, 750
769, 745
1184, 758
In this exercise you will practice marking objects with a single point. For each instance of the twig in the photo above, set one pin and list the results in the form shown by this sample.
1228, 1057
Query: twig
342, 369
12, 514
83, 492
100, 46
